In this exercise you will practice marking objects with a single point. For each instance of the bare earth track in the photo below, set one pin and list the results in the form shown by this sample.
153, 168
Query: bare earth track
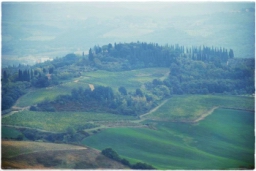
206, 114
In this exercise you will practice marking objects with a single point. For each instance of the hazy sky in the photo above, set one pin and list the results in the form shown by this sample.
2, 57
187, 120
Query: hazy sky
109, 9
53, 28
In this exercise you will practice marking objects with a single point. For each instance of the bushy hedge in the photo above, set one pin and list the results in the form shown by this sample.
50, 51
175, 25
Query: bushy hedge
110, 153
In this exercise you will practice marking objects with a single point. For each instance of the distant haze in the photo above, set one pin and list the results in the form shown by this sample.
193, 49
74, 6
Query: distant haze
34, 30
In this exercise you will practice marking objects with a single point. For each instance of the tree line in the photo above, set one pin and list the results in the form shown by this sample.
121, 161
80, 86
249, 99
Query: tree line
153, 55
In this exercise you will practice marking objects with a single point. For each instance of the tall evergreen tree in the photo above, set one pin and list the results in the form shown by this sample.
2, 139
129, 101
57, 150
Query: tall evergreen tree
90, 55
32, 74
20, 77
5, 76
231, 53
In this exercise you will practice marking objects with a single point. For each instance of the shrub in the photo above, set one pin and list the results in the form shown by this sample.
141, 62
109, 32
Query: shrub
125, 162
33, 108
143, 166
110, 153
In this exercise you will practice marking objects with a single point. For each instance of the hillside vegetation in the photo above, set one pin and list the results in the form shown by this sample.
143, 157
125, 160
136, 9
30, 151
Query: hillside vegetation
132, 98
39, 155
195, 70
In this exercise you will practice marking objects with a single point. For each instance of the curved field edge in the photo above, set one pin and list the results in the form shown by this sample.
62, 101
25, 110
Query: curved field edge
213, 143
192, 108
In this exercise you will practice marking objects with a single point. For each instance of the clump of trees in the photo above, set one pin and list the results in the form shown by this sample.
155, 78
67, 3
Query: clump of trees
11, 92
72, 135
197, 77
110, 153
101, 99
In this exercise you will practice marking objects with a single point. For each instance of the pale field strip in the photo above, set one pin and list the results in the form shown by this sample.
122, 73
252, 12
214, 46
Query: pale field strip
209, 112
28, 147
41, 130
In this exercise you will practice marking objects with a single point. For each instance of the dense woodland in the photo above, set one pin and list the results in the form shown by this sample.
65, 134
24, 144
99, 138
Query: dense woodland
195, 70
151, 55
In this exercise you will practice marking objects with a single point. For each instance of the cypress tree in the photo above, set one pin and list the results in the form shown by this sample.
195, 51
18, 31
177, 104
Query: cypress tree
231, 53
5, 76
32, 74
90, 55
28, 76
20, 75
24, 75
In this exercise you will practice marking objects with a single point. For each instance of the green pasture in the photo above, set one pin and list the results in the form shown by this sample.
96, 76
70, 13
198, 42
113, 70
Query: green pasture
224, 140
189, 108
38, 95
49, 93
59, 121
129, 79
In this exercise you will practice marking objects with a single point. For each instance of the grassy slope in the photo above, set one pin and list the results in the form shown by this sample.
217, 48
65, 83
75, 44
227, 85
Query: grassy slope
189, 108
213, 143
50, 93
59, 121
129, 79
38, 155
133, 79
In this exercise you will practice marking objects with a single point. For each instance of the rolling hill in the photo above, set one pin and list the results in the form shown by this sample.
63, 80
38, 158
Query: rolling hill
40, 155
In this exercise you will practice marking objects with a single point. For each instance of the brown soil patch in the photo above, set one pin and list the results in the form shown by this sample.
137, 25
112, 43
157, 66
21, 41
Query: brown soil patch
65, 159
91, 87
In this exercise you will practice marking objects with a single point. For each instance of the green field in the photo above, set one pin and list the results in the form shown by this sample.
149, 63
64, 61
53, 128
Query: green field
224, 140
133, 79
189, 108
130, 79
50, 93
60, 121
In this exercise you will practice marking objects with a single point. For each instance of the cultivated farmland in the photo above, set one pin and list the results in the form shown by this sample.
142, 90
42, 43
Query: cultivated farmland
213, 143
60, 121
191, 108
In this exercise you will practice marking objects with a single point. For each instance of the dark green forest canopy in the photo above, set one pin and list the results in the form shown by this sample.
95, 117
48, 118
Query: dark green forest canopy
151, 54
193, 70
